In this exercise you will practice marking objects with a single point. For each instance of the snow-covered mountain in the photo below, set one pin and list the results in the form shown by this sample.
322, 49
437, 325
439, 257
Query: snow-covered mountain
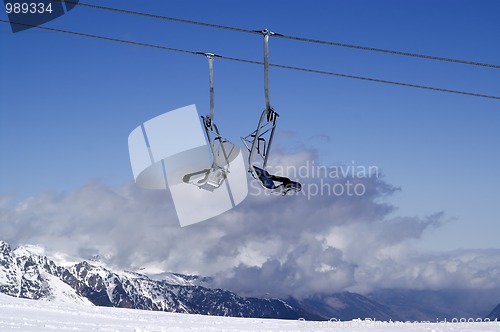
26, 272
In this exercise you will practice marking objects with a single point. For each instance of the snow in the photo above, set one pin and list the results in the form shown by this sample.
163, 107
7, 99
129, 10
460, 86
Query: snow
62, 292
171, 278
64, 260
30, 249
30, 316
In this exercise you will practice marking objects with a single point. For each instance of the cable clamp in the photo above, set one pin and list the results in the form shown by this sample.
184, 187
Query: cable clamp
266, 32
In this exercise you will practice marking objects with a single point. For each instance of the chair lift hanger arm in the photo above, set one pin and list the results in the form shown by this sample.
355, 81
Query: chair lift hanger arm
211, 71
266, 34
271, 114
210, 57
208, 120
214, 176
266, 125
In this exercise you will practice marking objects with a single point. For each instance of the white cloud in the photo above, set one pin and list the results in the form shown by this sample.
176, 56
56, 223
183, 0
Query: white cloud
299, 245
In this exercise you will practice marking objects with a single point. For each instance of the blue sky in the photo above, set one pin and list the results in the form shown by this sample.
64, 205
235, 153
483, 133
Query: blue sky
68, 103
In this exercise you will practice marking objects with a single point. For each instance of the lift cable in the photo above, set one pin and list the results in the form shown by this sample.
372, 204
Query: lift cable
307, 40
315, 71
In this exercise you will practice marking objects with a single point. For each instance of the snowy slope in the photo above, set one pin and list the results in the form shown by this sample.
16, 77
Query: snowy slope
34, 316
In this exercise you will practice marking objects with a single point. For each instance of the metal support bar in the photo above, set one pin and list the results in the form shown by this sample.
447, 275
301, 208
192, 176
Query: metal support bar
209, 119
256, 138
266, 34
210, 57
269, 144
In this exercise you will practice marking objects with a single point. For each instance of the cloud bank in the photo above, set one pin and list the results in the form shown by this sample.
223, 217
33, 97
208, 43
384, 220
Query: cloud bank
316, 242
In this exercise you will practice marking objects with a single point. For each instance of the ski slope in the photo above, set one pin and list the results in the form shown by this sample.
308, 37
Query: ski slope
30, 315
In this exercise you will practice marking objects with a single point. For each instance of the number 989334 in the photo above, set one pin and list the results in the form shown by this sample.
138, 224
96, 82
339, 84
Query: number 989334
28, 8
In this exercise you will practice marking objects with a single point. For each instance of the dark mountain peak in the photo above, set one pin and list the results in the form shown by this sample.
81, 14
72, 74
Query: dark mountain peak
4, 247
6, 256
495, 313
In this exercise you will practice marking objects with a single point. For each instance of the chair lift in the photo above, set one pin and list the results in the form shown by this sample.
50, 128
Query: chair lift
256, 141
213, 177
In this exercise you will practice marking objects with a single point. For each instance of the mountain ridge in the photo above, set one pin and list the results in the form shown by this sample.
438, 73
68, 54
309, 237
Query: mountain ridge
495, 313
27, 272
